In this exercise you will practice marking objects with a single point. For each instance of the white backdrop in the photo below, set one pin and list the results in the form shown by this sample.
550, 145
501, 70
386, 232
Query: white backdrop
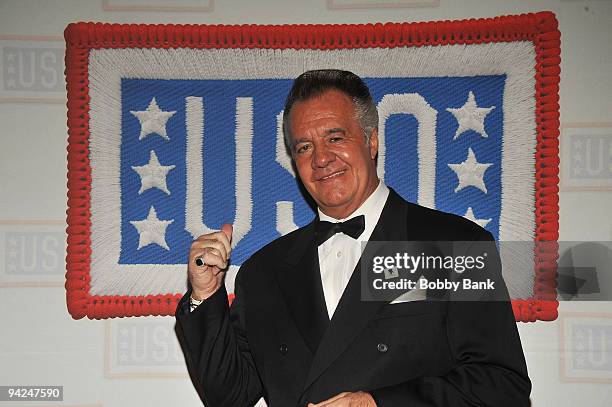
137, 361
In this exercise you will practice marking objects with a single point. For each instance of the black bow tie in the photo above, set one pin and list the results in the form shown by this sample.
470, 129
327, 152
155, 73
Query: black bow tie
353, 227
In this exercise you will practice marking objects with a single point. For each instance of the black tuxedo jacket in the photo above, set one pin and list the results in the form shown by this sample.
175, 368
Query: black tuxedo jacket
277, 341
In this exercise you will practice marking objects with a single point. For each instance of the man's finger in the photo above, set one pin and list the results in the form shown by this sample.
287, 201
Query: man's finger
213, 245
220, 236
214, 252
328, 401
228, 230
209, 258
225, 237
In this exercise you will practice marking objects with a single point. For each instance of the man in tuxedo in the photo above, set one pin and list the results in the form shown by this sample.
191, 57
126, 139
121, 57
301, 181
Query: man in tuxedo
298, 332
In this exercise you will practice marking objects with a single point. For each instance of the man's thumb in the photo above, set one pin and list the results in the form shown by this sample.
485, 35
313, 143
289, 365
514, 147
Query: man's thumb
227, 229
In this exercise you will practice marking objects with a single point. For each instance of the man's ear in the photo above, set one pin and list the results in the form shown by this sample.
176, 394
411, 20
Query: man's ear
373, 144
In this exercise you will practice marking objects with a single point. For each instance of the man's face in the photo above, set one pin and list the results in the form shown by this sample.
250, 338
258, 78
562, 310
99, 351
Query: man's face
335, 163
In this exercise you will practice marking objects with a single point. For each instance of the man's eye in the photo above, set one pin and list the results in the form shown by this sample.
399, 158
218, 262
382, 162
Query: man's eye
335, 139
303, 148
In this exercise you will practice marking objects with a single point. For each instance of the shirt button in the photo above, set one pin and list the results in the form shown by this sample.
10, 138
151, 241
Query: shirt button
339, 254
283, 348
382, 348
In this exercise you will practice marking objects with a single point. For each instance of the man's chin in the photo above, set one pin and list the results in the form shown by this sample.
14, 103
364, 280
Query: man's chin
334, 206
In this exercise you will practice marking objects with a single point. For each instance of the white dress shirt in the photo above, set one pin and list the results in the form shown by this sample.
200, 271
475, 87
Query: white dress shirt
339, 255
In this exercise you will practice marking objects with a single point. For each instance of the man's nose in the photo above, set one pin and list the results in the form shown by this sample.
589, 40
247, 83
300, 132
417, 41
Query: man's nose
321, 157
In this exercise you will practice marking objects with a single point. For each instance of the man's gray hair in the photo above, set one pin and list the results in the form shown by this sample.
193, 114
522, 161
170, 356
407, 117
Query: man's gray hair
311, 84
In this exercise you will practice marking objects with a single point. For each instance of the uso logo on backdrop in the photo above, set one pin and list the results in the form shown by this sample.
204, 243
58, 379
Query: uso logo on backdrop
182, 139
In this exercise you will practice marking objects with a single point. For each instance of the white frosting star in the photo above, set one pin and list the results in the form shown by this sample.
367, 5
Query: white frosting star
152, 230
470, 172
153, 120
153, 174
469, 214
470, 117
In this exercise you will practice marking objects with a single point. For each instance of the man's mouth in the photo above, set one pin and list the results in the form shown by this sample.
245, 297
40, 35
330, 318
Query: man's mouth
332, 175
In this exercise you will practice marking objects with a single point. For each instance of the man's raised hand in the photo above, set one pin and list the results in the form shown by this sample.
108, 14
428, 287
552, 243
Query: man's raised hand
208, 260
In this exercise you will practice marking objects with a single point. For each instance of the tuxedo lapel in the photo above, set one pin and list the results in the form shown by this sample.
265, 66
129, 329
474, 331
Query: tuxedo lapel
300, 281
352, 314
